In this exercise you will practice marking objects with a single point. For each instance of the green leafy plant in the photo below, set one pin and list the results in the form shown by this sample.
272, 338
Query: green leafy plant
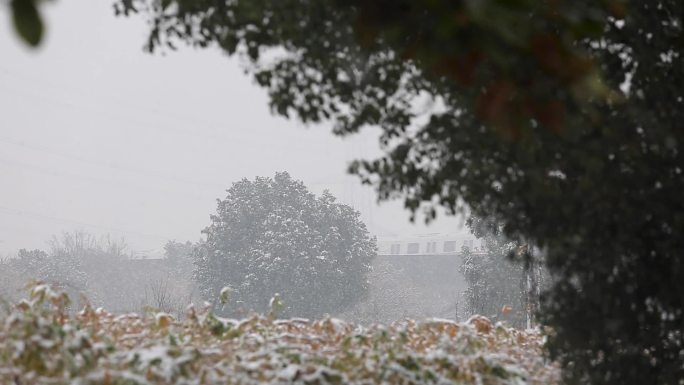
28, 22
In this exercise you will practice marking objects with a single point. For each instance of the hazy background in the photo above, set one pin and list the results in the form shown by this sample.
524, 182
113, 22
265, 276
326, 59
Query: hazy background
97, 135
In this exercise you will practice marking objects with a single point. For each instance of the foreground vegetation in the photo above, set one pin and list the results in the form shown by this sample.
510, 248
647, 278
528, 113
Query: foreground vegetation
41, 342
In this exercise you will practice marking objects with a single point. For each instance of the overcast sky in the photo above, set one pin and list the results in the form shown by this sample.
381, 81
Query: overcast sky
97, 135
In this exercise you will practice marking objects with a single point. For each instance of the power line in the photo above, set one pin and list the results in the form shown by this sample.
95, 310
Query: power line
89, 179
123, 118
131, 170
124, 107
114, 166
120, 102
26, 213
15, 229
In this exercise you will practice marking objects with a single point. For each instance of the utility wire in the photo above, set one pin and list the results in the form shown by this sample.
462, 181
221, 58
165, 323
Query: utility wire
90, 179
125, 105
146, 173
170, 115
141, 172
26, 213
99, 112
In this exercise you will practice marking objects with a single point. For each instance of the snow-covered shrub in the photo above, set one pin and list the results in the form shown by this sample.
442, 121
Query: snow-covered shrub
272, 235
41, 343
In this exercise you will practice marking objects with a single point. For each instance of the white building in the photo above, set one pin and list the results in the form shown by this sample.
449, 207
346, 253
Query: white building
427, 244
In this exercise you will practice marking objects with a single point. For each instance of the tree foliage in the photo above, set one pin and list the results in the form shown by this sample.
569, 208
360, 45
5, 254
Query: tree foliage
179, 258
102, 269
27, 20
561, 119
364, 62
504, 281
78, 262
271, 235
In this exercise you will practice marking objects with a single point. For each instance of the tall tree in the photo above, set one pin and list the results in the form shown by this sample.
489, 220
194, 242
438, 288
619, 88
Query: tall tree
272, 235
80, 263
562, 119
504, 280
178, 256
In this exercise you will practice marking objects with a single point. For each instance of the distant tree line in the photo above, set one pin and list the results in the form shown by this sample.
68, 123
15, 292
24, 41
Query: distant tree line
102, 272
268, 236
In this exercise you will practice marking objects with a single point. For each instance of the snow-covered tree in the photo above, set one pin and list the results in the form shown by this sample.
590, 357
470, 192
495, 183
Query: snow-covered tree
271, 235
178, 258
61, 267
78, 262
504, 280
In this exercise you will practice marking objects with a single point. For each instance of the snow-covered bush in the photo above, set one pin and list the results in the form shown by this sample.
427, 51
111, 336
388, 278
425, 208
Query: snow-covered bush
272, 235
41, 343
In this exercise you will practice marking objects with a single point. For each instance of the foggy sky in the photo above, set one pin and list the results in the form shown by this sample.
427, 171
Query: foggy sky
97, 135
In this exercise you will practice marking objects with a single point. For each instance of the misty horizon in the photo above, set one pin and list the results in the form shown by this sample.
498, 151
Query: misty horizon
101, 137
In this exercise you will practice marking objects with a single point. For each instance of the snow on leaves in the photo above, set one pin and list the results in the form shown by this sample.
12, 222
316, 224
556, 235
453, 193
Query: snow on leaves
42, 343
271, 235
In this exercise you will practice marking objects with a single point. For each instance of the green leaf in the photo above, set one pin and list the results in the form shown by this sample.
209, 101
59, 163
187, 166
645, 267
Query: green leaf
27, 21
